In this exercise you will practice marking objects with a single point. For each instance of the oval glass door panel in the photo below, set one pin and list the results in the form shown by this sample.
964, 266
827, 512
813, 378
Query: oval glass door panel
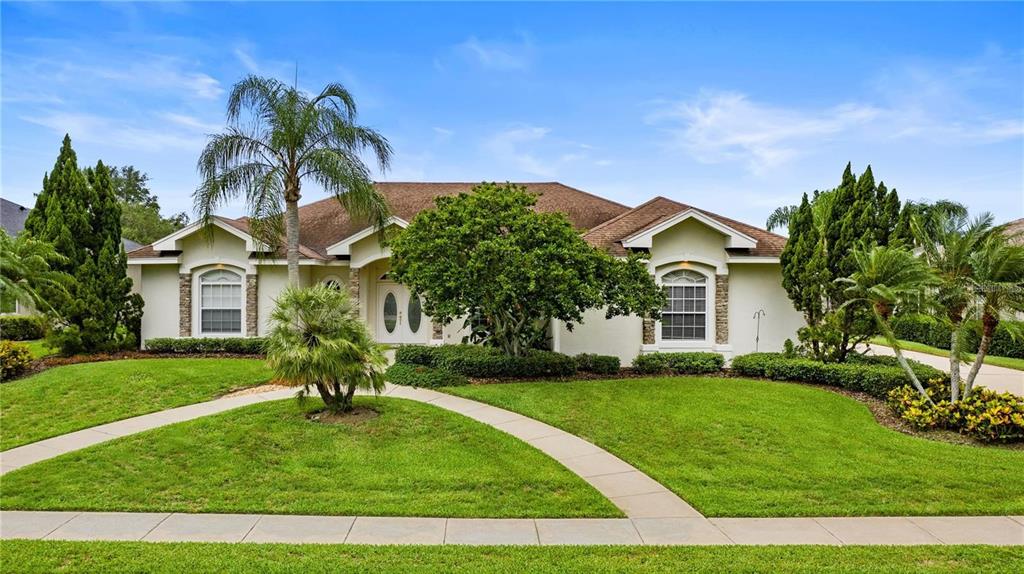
390, 312
415, 314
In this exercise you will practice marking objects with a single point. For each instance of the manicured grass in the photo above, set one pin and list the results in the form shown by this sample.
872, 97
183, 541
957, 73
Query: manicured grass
89, 557
412, 460
739, 447
39, 348
65, 399
1008, 362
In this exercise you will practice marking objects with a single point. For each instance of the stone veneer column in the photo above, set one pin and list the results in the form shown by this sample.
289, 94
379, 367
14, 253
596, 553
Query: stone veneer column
438, 331
648, 331
184, 304
252, 308
721, 309
353, 287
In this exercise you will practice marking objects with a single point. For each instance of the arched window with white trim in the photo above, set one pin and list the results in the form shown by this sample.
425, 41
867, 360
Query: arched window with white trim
684, 317
220, 302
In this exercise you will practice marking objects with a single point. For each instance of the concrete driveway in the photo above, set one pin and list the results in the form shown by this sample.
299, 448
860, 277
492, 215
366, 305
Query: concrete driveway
990, 376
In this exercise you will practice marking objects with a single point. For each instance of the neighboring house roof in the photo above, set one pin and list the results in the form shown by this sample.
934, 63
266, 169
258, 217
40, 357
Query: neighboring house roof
12, 217
130, 245
1015, 229
609, 235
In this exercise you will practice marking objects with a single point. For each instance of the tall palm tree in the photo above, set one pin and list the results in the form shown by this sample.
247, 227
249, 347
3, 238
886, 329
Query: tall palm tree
821, 204
947, 247
998, 282
317, 341
285, 139
884, 277
26, 270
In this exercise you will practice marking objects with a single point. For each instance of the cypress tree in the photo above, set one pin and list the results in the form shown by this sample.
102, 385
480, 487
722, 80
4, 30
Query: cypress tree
78, 212
803, 266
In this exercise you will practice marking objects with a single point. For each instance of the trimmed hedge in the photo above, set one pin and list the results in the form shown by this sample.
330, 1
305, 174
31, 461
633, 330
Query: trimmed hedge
21, 327
421, 376
15, 359
487, 362
876, 376
597, 364
194, 345
678, 363
929, 331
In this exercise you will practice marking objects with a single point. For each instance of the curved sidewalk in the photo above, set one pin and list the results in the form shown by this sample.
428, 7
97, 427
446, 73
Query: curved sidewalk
633, 492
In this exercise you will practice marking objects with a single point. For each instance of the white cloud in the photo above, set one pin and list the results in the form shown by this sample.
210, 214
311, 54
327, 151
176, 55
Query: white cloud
728, 126
246, 59
192, 122
118, 133
528, 149
497, 55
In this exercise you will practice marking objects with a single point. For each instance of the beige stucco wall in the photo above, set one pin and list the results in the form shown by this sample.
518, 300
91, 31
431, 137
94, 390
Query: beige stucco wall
689, 240
618, 336
759, 286
225, 248
159, 289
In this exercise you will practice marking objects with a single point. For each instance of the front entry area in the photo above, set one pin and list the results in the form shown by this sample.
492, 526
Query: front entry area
400, 318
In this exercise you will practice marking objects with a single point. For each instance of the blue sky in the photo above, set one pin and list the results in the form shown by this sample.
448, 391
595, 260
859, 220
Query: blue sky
735, 108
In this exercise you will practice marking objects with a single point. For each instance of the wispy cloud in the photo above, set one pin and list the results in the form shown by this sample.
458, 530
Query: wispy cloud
246, 59
499, 55
528, 149
120, 133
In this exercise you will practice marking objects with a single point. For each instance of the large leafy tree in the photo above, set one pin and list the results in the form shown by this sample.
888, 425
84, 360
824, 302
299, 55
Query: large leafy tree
317, 341
278, 139
78, 213
140, 210
490, 256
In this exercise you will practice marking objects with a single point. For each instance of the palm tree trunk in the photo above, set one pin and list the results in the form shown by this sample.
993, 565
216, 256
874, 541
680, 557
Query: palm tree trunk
988, 330
910, 372
954, 364
291, 223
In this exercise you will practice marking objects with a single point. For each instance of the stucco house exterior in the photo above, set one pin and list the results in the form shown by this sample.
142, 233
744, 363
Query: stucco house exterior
720, 274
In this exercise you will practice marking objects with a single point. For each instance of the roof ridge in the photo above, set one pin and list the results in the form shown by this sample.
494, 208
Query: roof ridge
625, 213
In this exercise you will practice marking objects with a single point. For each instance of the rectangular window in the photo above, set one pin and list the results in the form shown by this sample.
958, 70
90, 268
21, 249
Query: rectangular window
221, 309
684, 317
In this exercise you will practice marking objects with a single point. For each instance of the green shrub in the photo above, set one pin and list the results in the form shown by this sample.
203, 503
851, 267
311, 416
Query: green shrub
197, 345
598, 364
21, 327
487, 362
14, 359
929, 331
986, 415
414, 375
875, 376
678, 363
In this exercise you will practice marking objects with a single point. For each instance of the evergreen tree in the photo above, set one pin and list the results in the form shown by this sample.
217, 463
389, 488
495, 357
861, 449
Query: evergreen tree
803, 265
79, 214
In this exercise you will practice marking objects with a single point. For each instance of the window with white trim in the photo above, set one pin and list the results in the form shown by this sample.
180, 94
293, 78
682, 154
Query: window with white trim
220, 302
684, 317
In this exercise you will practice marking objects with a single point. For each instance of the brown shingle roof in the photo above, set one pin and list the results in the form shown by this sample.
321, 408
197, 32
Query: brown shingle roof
324, 223
609, 235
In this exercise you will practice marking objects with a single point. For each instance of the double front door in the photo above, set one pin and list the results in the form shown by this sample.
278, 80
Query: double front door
400, 318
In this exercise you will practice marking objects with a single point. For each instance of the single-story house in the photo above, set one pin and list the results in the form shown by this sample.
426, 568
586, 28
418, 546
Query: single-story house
722, 277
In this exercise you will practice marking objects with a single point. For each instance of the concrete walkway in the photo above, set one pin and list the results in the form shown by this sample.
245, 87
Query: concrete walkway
996, 378
164, 527
633, 492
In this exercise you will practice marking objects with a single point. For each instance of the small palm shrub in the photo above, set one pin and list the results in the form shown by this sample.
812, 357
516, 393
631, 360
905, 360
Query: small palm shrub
678, 363
14, 359
317, 341
985, 415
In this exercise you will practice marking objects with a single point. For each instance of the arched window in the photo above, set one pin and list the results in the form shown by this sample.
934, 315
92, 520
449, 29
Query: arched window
220, 302
333, 283
684, 317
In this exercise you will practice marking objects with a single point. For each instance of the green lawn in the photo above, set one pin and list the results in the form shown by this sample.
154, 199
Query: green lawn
65, 399
39, 348
1008, 362
88, 557
412, 460
738, 447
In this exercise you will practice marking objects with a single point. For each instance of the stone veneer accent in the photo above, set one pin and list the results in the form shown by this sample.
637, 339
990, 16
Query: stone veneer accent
721, 309
184, 304
252, 313
648, 331
353, 287
438, 332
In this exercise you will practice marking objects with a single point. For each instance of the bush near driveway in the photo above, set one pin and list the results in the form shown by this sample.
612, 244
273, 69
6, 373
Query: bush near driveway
985, 415
14, 359
21, 327
678, 363
875, 376
194, 345
926, 330
422, 376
